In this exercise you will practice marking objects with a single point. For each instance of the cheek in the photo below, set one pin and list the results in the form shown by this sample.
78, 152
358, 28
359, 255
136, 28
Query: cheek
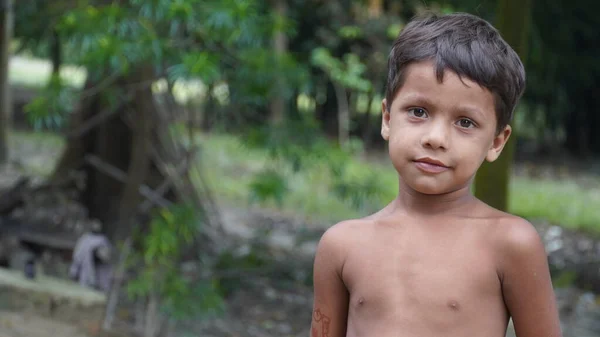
400, 131
400, 141
476, 153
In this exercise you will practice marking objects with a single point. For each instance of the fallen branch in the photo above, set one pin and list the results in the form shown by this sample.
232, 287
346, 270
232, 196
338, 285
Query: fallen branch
121, 176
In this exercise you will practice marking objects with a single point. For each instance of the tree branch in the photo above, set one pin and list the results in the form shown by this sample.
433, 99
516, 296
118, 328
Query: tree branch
121, 176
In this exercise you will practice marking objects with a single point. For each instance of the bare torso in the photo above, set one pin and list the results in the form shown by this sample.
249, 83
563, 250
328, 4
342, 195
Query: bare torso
424, 277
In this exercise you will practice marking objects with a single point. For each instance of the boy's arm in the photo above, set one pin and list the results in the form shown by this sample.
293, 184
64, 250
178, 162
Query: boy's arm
330, 310
526, 284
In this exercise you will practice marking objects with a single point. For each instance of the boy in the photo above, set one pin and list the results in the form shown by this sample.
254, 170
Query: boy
437, 261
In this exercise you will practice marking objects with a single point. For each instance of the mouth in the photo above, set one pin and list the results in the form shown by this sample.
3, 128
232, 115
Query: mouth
430, 165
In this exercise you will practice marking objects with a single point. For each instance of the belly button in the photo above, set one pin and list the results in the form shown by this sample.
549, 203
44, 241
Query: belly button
454, 305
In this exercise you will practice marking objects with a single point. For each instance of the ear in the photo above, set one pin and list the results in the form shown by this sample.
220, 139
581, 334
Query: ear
385, 120
498, 144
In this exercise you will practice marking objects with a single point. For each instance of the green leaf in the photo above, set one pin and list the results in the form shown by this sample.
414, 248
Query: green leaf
268, 184
350, 32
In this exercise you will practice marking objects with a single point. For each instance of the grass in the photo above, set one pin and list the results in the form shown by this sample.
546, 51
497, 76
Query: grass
232, 166
37, 152
560, 202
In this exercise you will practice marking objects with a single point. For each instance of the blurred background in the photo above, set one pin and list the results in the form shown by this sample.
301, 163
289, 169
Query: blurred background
168, 166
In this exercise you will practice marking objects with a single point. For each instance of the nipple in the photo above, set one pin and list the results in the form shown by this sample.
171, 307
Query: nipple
361, 300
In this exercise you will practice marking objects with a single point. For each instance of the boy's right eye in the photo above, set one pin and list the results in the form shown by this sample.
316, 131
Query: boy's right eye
417, 112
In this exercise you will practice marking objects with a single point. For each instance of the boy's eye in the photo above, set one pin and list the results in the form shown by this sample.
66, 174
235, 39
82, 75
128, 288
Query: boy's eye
417, 112
466, 123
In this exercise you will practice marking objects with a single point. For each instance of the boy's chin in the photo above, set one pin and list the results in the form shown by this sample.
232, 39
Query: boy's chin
431, 188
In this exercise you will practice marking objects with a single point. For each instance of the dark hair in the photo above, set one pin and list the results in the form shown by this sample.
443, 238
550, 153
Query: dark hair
466, 45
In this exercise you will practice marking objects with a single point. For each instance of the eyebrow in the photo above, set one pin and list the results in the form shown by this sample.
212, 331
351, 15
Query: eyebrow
418, 99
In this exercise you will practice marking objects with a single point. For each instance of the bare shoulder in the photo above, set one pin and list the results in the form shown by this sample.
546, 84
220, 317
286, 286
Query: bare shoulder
517, 236
510, 233
517, 243
341, 234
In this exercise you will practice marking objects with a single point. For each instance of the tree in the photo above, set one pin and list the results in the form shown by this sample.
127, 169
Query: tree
126, 47
279, 49
493, 179
6, 28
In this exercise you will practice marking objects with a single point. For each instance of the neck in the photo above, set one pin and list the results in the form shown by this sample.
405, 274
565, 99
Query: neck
414, 202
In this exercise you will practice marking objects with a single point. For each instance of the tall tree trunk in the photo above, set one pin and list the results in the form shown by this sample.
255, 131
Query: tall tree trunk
280, 48
343, 114
140, 162
122, 143
6, 28
366, 123
493, 179
55, 52
208, 111
326, 113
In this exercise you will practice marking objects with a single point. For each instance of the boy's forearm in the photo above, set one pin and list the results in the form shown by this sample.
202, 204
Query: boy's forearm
320, 324
326, 324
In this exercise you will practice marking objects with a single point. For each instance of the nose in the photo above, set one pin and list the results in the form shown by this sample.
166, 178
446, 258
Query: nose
436, 136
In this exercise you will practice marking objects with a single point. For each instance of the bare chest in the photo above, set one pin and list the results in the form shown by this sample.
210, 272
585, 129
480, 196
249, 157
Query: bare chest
415, 276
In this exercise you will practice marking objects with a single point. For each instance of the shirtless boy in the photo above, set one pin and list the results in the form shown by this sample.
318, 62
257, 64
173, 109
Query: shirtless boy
436, 261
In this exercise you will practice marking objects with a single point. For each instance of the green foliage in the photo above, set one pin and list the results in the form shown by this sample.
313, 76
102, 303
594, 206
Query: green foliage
268, 184
350, 32
348, 72
51, 109
296, 146
231, 265
171, 231
394, 30
212, 41
361, 192
564, 279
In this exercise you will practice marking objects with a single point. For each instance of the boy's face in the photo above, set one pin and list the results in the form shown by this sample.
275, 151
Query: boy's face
440, 133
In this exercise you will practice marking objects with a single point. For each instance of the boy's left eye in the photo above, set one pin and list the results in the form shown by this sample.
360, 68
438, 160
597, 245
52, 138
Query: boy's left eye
466, 123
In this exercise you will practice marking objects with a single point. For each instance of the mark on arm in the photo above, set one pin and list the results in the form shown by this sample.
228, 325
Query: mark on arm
324, 321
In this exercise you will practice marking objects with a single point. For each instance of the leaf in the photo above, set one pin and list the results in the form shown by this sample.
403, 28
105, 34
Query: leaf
268, 184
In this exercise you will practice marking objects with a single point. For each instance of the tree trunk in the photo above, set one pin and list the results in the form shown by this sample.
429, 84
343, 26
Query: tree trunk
343, 114
493, 179
326, 112
208, 111
280, 48
122, 144
367, 129
55, 52
6, 27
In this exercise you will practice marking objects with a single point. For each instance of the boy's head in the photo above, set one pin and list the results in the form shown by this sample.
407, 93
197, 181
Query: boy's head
467, 45
453, 85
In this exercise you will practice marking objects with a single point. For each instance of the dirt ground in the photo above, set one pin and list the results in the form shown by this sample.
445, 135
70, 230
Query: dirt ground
26, 325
